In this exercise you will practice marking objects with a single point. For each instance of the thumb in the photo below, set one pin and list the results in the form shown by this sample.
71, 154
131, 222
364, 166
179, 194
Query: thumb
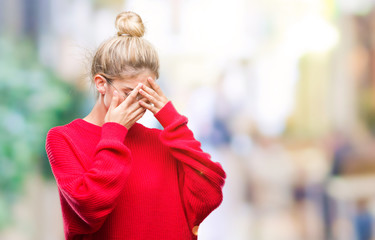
114, 101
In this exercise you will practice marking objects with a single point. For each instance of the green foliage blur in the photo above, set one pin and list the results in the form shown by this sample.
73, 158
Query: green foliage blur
32, 100
366, 106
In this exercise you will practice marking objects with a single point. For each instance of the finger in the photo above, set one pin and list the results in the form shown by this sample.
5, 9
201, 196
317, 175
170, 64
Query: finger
139, 116
154, 85
133, 106
133, 95
144, 99
134, 92
147, 95
149, 106
136, 115
137, 111
157, 99
114, 101
150, 91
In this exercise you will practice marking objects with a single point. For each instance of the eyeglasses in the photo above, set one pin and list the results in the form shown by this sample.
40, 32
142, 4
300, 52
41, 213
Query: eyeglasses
124, 95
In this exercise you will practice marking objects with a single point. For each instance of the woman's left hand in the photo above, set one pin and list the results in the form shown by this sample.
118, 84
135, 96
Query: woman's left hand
156, 99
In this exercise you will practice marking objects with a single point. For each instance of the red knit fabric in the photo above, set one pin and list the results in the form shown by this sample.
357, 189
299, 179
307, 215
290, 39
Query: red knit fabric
140, 183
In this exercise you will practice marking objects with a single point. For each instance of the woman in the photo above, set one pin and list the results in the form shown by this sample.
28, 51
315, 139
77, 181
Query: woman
118, 179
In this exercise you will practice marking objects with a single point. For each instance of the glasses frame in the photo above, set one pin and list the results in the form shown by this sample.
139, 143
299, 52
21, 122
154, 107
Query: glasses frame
124, 95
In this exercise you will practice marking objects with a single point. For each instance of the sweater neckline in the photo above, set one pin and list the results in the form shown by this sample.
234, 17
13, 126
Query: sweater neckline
95, 128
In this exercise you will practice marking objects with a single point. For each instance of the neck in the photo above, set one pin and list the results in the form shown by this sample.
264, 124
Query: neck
97, 114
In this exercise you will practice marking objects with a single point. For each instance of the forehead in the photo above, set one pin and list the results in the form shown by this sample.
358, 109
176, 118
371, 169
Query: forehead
132, 81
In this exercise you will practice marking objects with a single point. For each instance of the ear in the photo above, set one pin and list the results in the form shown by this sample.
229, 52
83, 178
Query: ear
100, 83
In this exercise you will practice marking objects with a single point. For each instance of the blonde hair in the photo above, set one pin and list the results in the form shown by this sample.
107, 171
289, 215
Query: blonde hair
127, 54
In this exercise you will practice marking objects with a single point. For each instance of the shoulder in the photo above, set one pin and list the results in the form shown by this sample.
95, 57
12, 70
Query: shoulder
62, 130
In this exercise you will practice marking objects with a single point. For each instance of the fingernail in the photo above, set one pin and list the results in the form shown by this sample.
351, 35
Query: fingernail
115, 92
139, 84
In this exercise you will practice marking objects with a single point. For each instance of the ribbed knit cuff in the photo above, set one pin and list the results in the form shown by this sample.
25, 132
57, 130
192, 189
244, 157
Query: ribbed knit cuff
112, 130
167, 115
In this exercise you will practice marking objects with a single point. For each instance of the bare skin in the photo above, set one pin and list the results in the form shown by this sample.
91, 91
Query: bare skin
125, 101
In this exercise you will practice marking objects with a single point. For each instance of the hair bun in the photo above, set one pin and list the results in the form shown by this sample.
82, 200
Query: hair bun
129, 23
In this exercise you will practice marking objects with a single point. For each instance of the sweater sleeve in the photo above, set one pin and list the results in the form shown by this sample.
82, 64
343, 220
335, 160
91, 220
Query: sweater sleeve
90, 192
200, 179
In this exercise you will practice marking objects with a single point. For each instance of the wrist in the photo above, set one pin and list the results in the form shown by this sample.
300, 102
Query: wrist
114, 130
167, 115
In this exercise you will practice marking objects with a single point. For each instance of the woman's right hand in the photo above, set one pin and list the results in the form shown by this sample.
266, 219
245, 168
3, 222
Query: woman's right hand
127, 112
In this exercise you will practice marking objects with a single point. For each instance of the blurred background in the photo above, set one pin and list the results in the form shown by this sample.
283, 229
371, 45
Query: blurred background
280, 92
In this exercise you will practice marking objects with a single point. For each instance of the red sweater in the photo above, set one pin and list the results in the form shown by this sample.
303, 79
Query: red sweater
137, 183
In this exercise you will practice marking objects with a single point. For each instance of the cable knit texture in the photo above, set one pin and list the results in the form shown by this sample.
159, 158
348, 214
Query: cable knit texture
137, 183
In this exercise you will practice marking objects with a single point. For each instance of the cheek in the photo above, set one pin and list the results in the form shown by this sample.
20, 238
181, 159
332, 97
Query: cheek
107, 100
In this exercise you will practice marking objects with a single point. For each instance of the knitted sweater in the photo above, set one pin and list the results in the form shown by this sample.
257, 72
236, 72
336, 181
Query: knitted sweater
137, 183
